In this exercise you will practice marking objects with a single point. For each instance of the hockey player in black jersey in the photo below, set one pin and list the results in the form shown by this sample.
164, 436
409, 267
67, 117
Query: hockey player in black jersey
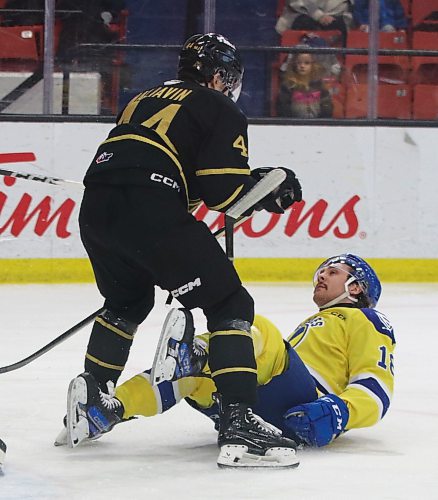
174, 146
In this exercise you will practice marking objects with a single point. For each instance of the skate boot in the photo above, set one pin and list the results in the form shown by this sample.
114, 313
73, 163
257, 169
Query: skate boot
245, 440
91, 412
179, 354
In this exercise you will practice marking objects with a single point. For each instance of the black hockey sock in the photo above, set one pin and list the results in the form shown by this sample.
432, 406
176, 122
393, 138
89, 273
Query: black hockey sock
233, 366
108, 347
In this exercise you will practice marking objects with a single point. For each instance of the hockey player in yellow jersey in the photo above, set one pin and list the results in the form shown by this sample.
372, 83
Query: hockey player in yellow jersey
335, 372
348, 348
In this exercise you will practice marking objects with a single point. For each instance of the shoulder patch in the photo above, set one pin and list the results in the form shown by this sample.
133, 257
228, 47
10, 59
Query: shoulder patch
380, 322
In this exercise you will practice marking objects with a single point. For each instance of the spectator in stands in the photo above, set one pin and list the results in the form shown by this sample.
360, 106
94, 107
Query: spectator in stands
391, 15
316, 15
329, 62
302, 91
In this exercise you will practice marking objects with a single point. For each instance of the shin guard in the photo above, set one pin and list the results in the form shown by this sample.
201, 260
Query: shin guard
108, 347
232, 363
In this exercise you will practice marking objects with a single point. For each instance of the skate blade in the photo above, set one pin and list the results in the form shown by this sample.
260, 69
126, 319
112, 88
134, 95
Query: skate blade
3, 448
163, 366
61, 438
77, 423
237, 456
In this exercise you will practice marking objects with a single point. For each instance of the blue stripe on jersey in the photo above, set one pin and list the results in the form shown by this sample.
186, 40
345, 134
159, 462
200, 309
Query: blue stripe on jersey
372, 385
167, 395
380, 322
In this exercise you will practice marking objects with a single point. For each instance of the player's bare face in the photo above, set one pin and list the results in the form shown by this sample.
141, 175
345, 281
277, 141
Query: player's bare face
330, 283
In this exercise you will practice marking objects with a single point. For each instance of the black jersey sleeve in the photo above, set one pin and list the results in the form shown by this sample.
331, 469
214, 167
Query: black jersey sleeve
222, 169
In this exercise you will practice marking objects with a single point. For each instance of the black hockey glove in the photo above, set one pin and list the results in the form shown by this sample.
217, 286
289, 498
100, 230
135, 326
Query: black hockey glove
287, 193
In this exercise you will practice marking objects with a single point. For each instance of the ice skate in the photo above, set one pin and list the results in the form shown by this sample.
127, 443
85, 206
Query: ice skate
61, 438
245, 440
90, 411
178, 353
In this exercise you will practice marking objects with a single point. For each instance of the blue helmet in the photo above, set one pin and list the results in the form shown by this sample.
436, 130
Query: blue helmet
362, 273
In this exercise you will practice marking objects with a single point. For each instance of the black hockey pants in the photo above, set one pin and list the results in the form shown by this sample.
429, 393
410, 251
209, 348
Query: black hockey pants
138, 237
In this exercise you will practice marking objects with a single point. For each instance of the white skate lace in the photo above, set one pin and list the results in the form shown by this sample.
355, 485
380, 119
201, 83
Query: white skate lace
262, 425
199, 346
109, 401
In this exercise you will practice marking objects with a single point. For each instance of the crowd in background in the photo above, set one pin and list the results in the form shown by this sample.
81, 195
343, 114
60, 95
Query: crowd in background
298, 85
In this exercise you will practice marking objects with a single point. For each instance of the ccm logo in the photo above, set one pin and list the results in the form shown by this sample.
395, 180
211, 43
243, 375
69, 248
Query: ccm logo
167, 181
188, 287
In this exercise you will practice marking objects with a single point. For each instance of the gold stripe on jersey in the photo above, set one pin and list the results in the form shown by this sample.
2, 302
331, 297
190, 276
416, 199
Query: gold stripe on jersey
221, 171
235, 369
164, 137
114, 329
136, 137
230, 332
228, 201
102, 363
194, 204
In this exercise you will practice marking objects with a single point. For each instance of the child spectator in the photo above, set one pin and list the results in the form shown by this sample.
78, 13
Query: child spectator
316, 15
302, 91
391, 15
329, 62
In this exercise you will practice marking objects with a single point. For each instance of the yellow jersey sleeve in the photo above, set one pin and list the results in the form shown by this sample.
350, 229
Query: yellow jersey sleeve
350, 353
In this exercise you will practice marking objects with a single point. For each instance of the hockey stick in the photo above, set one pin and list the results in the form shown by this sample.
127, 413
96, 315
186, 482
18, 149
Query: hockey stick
41, 178
266, 185
238, 222
71, 331
234, 216
263, 188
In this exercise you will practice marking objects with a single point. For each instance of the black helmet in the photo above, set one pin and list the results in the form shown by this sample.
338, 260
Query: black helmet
202, 56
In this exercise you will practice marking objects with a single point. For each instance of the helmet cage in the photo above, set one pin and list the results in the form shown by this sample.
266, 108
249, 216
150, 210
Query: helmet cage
361, 272
203, 56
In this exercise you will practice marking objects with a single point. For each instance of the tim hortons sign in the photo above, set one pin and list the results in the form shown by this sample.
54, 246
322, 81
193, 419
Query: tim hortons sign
39, 213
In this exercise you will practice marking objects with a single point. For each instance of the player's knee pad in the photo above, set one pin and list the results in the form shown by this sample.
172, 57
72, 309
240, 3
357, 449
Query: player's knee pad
236, 312
134, 312
118, 322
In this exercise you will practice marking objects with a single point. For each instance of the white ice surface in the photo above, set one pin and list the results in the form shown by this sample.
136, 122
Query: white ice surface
173, 456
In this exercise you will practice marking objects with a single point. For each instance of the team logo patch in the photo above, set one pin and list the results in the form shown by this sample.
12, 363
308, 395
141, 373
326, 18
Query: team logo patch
301, 331
104, 157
